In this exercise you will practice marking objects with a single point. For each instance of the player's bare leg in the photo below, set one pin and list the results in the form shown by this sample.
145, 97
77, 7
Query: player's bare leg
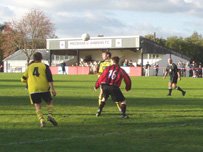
101, 106
123, 109
40, 115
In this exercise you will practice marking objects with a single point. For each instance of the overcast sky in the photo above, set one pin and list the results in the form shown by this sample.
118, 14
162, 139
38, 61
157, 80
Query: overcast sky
113, 17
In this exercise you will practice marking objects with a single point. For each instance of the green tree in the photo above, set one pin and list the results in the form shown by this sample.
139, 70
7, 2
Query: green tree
194, 46
191, 46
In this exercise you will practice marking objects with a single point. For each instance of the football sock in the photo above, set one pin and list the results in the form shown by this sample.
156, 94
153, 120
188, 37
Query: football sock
118, 106
50, 109
99, 101
101, 106
123, 108
178, 88
169, 91
40, 116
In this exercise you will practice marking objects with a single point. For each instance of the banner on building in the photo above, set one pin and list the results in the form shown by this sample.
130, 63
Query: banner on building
91, 44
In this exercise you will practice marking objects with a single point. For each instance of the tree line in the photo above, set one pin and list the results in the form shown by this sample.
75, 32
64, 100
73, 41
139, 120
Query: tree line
191, 46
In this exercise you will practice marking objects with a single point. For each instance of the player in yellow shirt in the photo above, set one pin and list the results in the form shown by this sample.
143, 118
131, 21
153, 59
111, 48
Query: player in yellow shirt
40, 82
106, 56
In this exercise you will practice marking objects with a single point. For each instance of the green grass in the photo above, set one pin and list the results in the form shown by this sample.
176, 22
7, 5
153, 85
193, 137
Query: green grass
157, 123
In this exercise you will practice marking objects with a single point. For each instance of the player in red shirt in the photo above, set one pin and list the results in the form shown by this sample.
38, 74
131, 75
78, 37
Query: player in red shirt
110, 81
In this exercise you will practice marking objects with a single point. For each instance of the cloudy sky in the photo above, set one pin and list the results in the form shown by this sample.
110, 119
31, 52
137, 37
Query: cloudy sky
113, 17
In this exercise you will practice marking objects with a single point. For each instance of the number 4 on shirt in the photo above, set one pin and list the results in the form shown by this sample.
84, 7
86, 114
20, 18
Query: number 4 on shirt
36, 72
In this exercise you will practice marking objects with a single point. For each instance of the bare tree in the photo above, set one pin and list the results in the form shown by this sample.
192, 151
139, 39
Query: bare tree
8, 45
30, 32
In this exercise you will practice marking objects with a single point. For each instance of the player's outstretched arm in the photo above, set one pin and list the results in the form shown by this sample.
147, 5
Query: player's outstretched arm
165, 74
127, 81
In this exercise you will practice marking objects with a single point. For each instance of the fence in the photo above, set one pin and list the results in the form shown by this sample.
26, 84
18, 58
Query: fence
77, 70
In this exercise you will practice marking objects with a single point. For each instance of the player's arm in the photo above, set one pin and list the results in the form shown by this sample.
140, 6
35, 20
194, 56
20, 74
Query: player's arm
127, 80
53, 91
179, 75
50, 80
25, 76
165, 73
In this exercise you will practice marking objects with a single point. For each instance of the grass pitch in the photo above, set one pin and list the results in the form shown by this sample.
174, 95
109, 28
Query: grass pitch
157, 123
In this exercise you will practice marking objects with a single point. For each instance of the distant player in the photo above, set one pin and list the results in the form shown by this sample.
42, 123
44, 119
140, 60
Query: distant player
106, 56
174, 74
110, 81
39, 80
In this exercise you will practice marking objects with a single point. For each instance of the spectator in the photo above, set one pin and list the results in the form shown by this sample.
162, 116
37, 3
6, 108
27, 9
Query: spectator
125, 63
147, 67
63, 67
194, 69
200, 71
156, 69
1, 67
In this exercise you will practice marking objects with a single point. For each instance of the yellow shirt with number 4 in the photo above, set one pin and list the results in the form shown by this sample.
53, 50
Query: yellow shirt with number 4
37, 76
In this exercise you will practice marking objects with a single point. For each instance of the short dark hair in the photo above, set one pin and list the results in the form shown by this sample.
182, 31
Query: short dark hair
37, 56
115, 59
107, 53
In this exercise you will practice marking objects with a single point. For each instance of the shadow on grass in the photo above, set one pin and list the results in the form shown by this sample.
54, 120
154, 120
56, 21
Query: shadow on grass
9, 86
94, 130
76, 86
10, 80
165, 101
93, 101
75, 81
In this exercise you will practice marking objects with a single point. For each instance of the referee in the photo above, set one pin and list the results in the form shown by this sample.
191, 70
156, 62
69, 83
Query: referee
174, 74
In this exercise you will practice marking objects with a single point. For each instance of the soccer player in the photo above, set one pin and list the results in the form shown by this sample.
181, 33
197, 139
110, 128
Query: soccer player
40, 82
106, 56
110, 81
174, 74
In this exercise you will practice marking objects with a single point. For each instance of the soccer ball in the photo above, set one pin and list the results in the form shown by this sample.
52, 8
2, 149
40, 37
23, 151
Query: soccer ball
85, 37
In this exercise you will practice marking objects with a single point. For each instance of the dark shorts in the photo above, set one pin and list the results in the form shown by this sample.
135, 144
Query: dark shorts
174, 79
114, 92
37, 97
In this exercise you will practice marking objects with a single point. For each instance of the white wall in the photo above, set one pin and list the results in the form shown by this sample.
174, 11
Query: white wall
16, 66
163, 62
